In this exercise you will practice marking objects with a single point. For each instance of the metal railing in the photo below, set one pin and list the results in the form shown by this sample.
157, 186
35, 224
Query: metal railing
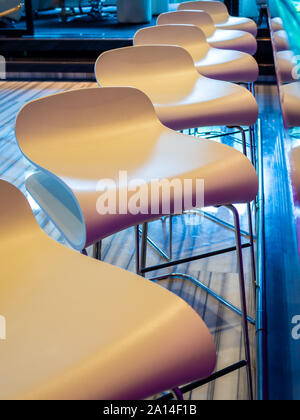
10, 11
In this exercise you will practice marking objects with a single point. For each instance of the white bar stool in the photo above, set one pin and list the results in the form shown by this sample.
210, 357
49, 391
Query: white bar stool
97, 133
286, 65
281, 41
217, 38
187, 99
227, 65
219, 13
81, 329
290, 94
183, 99
276, 24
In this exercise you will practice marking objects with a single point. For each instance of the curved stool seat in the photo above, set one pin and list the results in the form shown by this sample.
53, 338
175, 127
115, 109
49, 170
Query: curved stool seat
233, 40
219, 13
182, 98
217, 38
276, 24
80, 329
100, 132
281, 41
239, 23
286, 64
231, 66
291, 104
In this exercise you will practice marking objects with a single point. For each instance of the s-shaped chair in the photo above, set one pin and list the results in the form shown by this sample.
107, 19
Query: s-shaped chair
227, 65
281, 40
217, 38
81, 329
183, 99
276, 24
99, 132
219, 13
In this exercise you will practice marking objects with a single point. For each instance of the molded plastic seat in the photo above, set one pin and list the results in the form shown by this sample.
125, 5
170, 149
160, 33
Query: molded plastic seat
217, 38
231, 66
286, 64
219, 13
290, 95
281, 41
99, 132
80, 329
276, 24
182, 98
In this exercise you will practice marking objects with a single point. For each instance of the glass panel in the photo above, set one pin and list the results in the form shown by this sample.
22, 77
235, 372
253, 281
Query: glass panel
15, 17
289, 11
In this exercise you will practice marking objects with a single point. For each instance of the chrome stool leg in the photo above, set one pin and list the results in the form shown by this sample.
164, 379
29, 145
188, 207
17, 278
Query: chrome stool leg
243, 312
156, 248
97, 249
144, 247
251, 236
171, 237
243, 300
137, 250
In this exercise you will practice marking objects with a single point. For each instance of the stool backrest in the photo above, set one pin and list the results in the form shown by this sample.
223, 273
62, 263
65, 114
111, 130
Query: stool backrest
216, 9
189, 37
160, 71
187, 17
52, 133
15, 214
47, 126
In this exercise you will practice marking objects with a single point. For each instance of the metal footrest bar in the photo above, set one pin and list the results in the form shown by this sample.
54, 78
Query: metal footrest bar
218, 221
191, 259
205, 288
155, 246
209, 136
197, 384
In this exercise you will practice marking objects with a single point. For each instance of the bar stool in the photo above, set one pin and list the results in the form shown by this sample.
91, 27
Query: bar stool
217, 38
286, 65
219, 13
290, 94
231, 66
183, 99
97, 133
281, 41
276, 24
78, 328
181, 96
